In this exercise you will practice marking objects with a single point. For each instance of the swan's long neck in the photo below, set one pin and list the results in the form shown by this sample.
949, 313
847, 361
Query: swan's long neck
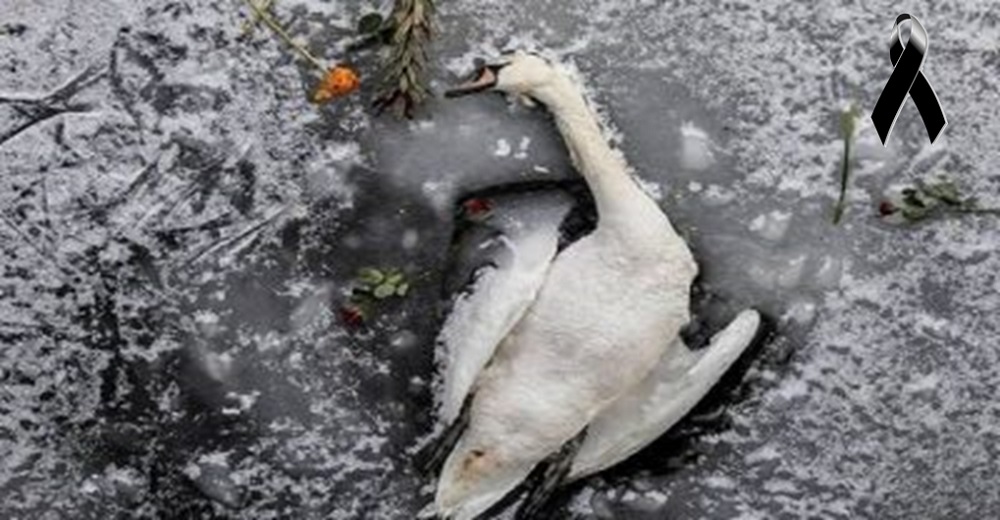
603, 168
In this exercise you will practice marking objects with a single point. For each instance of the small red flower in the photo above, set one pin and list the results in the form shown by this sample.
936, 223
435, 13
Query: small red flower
352, 316
477, 207
886, 208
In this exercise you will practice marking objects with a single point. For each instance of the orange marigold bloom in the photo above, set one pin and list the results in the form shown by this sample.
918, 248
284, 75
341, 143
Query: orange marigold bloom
339, 81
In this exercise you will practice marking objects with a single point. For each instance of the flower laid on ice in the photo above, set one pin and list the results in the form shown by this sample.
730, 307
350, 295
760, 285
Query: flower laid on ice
352, 315
407, 33
339, 81
372, 287
924, 201
477, 208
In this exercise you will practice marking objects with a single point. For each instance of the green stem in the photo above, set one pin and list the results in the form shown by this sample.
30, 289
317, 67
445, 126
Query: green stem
952, 211
251, 24
845, 174
280, 31
978, 211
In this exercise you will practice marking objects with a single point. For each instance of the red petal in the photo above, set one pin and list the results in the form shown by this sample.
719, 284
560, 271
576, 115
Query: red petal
886, 208
352, 316
477, 207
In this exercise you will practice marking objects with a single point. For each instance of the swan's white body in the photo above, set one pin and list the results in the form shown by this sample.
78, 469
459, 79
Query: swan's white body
587, 339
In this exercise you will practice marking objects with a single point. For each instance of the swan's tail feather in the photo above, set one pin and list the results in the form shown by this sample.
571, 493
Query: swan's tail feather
549, 476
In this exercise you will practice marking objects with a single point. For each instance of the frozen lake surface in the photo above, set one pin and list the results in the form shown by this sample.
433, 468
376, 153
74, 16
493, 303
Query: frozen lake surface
179, 228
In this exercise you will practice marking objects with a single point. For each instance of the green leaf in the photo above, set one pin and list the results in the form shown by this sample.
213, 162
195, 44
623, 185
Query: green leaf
370, 276
912, 198
370, 23
944, 191
914, 214
394, 279
402, 289
384, 291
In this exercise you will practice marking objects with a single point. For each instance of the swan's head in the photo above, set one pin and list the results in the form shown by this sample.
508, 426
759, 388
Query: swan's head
474, 479
517, 73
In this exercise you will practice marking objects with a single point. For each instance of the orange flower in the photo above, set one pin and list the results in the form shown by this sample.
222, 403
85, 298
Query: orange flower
339, 81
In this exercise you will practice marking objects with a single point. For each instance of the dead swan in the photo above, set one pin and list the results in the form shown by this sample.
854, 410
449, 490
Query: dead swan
574, 358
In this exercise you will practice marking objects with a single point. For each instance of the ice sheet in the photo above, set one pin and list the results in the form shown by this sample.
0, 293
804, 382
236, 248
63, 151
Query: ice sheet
175, 250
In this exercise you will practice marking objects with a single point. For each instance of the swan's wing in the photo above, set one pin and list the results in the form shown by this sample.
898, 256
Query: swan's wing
674, 387
529, 232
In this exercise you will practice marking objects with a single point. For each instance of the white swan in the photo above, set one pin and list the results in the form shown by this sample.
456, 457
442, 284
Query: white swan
550, 345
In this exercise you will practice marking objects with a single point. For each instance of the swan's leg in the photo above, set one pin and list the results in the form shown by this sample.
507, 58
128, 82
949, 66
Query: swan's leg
674, 387
553, 472
431, 457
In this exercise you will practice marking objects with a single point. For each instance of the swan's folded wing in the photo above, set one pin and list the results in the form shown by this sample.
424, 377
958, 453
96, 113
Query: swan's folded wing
483, 315
667, 394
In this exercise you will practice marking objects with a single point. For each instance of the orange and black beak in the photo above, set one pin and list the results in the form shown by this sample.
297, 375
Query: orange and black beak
482, 80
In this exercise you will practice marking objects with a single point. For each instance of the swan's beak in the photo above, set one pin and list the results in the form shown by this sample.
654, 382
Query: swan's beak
484, 79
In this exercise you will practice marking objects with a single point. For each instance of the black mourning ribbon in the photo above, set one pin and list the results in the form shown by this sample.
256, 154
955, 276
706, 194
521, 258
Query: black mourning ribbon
907, 78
